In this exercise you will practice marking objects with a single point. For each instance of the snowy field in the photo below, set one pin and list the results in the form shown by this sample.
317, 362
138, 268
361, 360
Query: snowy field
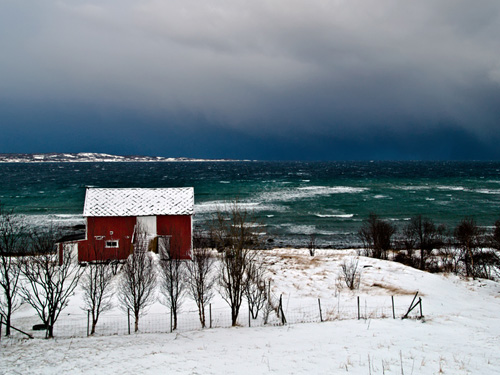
460, 332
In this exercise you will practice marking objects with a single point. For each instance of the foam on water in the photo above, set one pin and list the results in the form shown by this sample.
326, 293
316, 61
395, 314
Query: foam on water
341, 216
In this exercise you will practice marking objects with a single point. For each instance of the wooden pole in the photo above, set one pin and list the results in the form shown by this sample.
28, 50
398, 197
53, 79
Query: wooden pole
420, 302
358, 310
393, 313
210, 314
128, 320
249, 312
88, 322
170, 320
320, 313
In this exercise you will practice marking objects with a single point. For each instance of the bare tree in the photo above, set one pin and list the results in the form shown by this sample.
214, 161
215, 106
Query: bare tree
173, 279
138, 279
12, 243
468, 236
421, 233
232, 234
97, 288
50, 278
255, 291
201, 279
350, 273
376, 236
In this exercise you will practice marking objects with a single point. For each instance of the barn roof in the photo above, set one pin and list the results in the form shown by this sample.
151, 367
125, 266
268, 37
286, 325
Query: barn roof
138, 202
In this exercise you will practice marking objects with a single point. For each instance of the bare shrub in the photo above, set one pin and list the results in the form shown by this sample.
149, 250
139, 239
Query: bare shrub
468, 236
487, 264
173, 280
350, 273
138, 280
449, 257
12, 243
97, 288
234, 239
376, 236
255, 290
50, 278
201, 279
422, 234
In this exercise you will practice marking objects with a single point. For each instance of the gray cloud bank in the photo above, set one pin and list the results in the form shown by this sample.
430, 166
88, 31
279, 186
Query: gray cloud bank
341, 70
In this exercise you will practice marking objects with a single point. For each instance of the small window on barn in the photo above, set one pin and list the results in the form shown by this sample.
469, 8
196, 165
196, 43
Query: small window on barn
99, 237
112, 244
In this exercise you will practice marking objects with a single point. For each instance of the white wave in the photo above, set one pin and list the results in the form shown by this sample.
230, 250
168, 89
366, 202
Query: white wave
37, 220
224, 182
334, 189
308, 192
342, 216
253, 225
300, 229
410, 187
430, 199
381, 196
452, 188
487, 191
224, 206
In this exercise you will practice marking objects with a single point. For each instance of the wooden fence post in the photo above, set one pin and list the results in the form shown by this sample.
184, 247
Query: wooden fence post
358, 310
420, 302
210, 314
88, 322
128, 320
249, 312
320, 313
393, 313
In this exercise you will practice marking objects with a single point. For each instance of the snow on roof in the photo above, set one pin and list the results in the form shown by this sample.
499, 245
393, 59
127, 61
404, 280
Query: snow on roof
138, 202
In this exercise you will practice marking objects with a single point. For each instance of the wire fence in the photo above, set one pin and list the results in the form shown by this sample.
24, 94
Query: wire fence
79, 325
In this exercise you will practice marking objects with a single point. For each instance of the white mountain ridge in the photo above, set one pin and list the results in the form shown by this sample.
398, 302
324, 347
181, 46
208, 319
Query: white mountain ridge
89, 157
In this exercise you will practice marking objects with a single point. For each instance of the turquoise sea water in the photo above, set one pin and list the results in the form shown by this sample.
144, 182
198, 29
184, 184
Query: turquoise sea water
292, 200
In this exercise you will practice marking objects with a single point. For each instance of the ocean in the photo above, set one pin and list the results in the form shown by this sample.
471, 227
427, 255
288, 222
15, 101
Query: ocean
290, 200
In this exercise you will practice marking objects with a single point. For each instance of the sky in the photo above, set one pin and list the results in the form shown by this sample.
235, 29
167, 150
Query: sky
259, 79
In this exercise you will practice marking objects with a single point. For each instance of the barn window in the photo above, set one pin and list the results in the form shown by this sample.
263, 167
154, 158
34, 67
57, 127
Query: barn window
113, 244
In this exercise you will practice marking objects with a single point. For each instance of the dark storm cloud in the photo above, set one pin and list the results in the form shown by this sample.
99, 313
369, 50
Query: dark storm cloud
325, 72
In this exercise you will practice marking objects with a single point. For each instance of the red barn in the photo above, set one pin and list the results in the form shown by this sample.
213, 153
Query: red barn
159, 219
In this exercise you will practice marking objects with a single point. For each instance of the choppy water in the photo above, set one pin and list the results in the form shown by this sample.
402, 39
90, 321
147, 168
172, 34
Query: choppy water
291, 199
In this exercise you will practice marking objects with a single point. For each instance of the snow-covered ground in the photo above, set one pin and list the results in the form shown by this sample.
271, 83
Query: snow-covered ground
460, 333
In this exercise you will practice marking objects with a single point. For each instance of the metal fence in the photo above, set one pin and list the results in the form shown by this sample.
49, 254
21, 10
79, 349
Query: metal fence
220, 317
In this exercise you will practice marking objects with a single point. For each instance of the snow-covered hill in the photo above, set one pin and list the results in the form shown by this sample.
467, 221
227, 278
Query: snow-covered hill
459, 334
87, 157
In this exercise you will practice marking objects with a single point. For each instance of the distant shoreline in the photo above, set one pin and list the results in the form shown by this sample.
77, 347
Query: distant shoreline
91, 157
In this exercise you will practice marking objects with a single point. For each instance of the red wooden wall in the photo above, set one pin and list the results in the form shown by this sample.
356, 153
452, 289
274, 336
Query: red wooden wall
122, 229
179, 227
110, 228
